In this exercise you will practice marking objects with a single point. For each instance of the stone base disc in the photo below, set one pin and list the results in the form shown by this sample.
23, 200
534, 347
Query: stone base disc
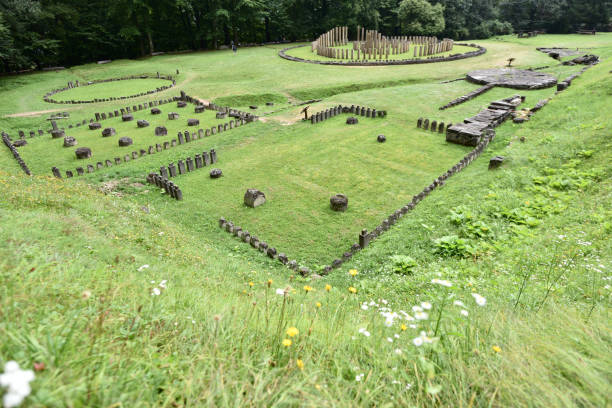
512, 78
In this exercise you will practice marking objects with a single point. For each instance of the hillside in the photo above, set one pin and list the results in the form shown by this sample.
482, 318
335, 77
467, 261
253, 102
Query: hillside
132, 299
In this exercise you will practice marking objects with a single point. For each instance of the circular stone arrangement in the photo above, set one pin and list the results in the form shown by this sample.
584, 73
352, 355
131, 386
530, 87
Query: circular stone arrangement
453, 57
512, 78
47, 97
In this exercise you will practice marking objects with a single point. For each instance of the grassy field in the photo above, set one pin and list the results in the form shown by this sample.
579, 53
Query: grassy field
306, 53
82, 260
126, 87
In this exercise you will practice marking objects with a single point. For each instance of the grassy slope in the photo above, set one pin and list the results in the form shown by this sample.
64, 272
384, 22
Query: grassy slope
124, 346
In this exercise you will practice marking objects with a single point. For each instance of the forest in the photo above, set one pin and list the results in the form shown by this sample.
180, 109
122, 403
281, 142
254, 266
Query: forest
44, 33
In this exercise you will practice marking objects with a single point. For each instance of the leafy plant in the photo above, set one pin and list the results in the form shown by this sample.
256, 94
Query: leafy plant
403, 264
453, 246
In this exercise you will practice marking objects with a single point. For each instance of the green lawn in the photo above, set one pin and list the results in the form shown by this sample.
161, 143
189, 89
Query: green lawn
126, 87
81, 260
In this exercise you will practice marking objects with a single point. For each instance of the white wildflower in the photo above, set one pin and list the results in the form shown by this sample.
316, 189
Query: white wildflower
397, 351
163, 284
442, 282
359, 377
389, 339
417, 309
417, 341
364, 332
464, 312
364, 307
280, 292
143, 267
421, 315
17, 383
480, 300
156, 292
426, 305
458, 303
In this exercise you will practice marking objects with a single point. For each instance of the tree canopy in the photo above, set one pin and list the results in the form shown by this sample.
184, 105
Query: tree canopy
39, 33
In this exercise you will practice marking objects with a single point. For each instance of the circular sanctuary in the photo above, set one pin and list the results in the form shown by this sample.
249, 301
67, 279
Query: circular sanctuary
373, 48
512, 78
72, 85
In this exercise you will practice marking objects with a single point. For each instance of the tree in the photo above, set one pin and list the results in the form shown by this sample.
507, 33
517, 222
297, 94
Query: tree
419, 17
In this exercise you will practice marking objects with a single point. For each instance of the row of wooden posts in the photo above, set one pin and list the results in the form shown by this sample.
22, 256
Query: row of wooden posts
371, 45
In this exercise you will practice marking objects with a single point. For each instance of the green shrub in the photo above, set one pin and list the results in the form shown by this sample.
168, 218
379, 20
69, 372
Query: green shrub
403, 264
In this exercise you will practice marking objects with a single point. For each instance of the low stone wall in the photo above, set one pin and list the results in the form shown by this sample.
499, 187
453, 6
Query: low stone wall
189, 164
7, 141
454, 57
336, 110
563, 85
76, 84
468, 97
171, 189
261, 245
433, 125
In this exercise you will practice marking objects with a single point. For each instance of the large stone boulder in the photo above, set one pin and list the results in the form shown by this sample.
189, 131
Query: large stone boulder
181, 104
495, 162
339, 202
155, 111
173, 115
19, 143
83, 153
161, 131
193, 122
125, 141
70, 141
95, 125
142, 123
199, 108
127, 117
381, 138
108, 132
216, 173
351, 121
254, 198
57, 133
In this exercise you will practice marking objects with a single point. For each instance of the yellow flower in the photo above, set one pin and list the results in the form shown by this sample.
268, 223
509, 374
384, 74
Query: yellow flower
318, 304
300, 364
292, 331
353, 272
251, 284
307, 288
317, 386
287, 342
403, 327
352, 290
496, 349
328, 287
270, 282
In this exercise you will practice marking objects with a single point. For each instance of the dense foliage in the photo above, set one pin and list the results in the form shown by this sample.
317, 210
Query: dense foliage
37, 33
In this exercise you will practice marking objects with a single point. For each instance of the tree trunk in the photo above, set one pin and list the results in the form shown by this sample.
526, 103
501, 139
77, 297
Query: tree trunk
150, 38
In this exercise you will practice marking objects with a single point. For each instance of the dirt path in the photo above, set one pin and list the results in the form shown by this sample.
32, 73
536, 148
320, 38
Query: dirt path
34, 113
